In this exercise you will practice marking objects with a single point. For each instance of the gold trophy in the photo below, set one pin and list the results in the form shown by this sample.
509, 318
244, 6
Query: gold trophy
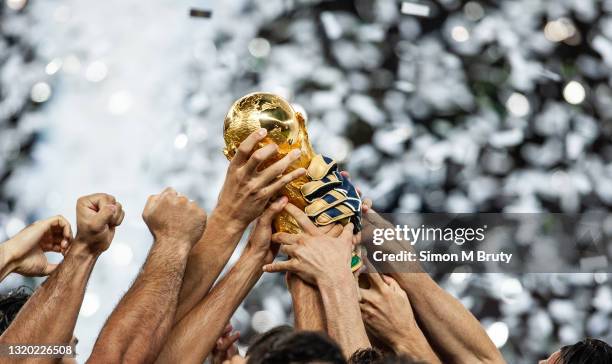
287, 128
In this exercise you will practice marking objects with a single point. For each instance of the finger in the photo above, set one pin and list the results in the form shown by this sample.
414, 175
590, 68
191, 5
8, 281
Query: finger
285, 238
356, 238
376, 280
97, 201
170, 191
287, 265
244, 150
367, 295
289, 250
120, 219
233, 350
347, 233
260, 156
106, 212
272, 189
116, 219
366, 205
67, 231
49, 268
227, 329
335, 231
276, 207
345, 174
276, 169
234, 337
305, 223
366, 310
227, 341
63, 224
390, 281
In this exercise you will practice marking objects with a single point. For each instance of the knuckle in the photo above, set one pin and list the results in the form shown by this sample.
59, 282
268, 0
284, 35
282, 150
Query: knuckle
243, 148
258, 156
261, 194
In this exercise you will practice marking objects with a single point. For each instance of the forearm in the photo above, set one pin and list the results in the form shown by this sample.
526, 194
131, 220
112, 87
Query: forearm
194, 337
49, 316
344, 323
138, 326
447, 325
308, 309
206, 261
414, 344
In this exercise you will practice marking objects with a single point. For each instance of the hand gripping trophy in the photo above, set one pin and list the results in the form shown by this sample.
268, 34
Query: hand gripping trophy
323, 193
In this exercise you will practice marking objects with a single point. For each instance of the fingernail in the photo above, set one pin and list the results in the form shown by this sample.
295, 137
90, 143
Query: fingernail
263, 132
296, 153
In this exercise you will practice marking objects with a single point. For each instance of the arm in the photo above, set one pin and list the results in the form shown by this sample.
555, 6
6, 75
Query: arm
340, 300
308, 309
324, 260
194, 337
246, 191
138, 326
24, 253
449, 327
50, 314
388, 315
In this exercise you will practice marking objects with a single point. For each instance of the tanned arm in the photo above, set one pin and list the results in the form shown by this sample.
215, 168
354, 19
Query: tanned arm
340, 301
449, 327
324, 260
194, 337
247, 190
139, 325
49, 316
388, 315
308, 310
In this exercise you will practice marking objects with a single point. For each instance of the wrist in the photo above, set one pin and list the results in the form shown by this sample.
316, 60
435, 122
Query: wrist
172, 242
336, 279
254, 255
413, 344
81, 250
222, 219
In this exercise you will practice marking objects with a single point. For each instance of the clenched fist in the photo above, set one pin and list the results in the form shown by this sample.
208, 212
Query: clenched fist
172, 216
97, 217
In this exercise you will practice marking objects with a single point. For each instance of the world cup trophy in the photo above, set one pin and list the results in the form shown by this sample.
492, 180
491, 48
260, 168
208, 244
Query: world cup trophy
324, 194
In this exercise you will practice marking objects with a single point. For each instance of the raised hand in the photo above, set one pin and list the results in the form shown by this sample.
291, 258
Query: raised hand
260, 244
314, 256
248, 187
26, 249
225, 347
386, 310
387, 313
97, 217
171, 216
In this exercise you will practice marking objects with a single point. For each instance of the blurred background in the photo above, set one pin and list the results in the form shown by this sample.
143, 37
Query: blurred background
433, 106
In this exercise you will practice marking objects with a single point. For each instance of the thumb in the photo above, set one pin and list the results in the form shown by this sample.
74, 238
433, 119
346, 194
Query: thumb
49, 268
